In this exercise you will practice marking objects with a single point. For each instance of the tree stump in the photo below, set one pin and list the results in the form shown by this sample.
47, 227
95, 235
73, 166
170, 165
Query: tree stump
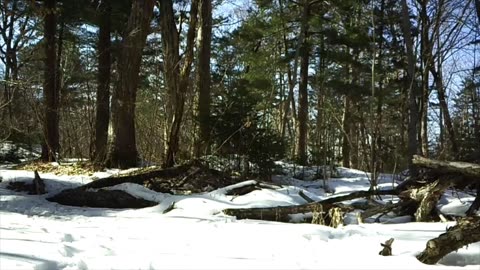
387, 248
38, 184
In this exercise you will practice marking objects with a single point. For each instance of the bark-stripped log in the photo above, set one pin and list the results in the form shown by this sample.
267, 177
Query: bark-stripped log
467, 231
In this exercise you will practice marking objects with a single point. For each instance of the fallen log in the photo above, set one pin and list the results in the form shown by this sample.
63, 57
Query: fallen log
468, 169
361, 194
141, 177
383, 209
100, 199
279, 213
246, 187
427, 197
283, 213
467, 231
459, 174
305, 197
187, 178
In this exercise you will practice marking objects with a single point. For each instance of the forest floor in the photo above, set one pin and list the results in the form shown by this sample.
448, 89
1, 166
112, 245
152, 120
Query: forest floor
195, 234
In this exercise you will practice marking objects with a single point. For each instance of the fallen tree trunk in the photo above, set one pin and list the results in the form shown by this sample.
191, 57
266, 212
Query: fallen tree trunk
361, 194
383, 209
188, 178
283, 213
140, 177
459, 174
279, 213
246, 187
427, 197
467, 231
464, 168
100, 198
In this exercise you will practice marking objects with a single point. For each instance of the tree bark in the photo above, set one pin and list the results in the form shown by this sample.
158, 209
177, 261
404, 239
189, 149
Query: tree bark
291, 77
15, 31
477, 9
466, 231
475, 204
282, 213
426, 56
469, 169
51, 144
203, 79
102, 115
302, 154
346, 132
100, 198
122, 151
427, 197
412, 103
177, 74
437, 75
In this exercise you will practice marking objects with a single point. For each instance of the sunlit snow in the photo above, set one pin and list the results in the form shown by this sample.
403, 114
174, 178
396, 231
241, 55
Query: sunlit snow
37, 234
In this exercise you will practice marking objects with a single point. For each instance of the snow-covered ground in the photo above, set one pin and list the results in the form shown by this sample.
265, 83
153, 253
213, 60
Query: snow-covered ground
37, 234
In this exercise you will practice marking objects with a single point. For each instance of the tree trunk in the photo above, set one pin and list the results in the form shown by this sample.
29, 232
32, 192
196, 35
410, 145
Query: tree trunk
122, 151
102, 115
172, 66
475, 204
437, 76
303, 90
203, 79
424, 116
426, 55
10, 60
177, 74
60, 63
412, 103
51, 145
291, 77
319, 120
346, 132
477, 9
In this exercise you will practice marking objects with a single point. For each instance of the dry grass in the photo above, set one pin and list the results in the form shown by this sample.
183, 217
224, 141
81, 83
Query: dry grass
78, 168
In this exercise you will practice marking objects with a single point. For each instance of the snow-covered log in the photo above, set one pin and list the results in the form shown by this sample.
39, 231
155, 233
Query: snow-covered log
188, 178
245, 187
467, 231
